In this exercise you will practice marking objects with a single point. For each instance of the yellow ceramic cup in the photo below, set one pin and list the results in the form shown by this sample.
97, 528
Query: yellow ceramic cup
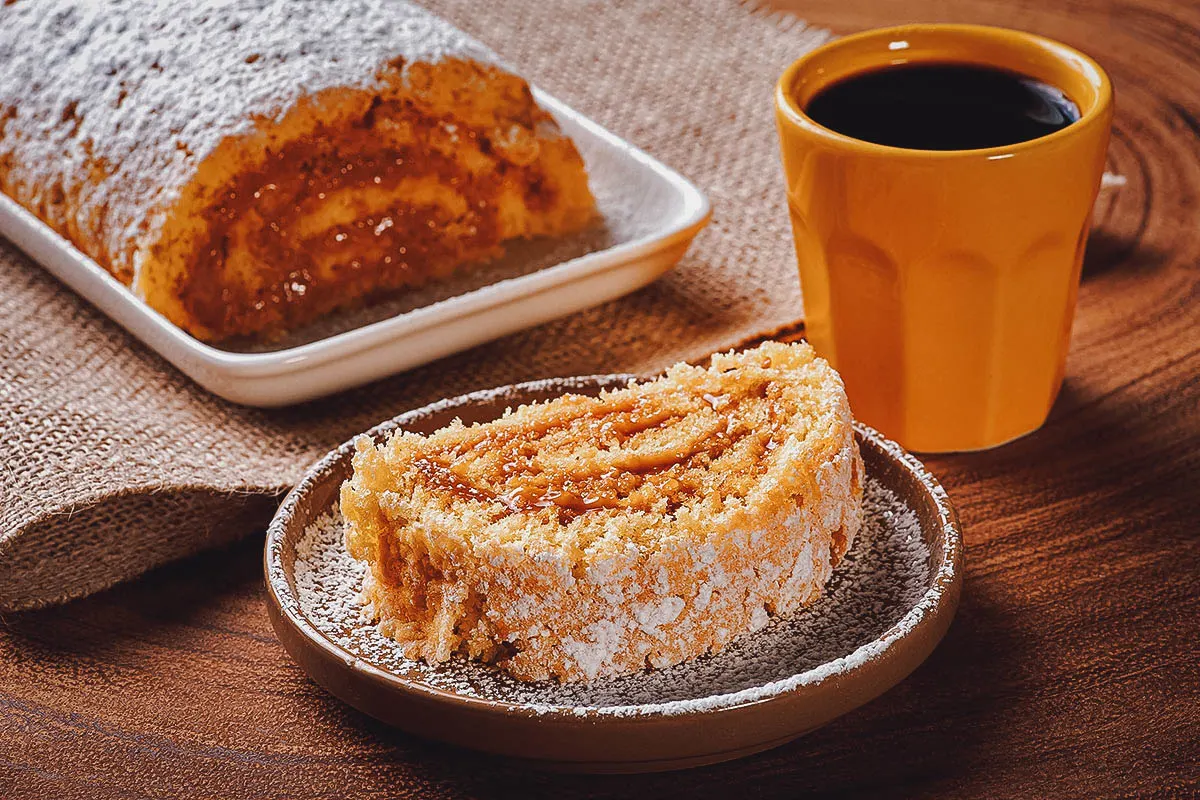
941, 284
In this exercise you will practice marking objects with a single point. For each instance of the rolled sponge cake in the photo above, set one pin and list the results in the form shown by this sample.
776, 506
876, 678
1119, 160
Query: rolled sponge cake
595, 536
246, 167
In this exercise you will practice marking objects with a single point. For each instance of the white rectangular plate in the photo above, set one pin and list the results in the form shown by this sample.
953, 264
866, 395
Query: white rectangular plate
650, 215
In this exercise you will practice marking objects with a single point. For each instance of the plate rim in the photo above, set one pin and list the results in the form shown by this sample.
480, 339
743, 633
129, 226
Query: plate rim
939, 599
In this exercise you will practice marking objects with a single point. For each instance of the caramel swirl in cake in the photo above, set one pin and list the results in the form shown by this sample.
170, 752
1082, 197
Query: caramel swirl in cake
393, 201
591, 536
636, 455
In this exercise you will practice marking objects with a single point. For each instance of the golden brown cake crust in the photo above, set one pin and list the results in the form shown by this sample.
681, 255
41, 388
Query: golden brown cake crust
595, 536
163, 140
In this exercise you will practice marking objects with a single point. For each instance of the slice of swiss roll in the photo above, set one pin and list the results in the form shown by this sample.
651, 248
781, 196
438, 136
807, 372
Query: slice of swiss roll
595, 536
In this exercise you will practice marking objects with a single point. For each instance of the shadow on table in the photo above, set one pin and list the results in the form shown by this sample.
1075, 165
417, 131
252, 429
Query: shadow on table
1108, 446
114, 625
1123, 447
1108, 252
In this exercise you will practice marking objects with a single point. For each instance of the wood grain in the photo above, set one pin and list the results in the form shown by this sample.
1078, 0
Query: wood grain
1072, 670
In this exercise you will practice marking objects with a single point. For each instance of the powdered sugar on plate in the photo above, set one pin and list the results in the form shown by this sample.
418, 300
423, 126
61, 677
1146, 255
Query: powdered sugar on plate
877, 591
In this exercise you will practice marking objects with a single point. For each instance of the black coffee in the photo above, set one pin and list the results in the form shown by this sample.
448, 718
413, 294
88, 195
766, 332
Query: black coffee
942, 107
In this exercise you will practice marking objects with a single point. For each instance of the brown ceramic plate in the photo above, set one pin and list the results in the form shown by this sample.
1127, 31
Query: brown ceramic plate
886, 608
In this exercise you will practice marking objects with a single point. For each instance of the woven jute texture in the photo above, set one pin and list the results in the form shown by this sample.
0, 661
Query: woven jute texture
114, 463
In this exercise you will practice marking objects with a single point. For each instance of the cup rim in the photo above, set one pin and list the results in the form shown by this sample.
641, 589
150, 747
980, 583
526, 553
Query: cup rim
1076, 60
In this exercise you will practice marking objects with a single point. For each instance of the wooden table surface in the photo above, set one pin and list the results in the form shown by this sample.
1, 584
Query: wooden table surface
1072, 670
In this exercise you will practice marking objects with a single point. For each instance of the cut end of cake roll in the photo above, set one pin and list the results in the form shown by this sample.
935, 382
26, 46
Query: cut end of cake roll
596, 536
360, 192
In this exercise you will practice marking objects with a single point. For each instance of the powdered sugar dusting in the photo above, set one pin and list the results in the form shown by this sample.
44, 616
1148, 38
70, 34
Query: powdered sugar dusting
882, 581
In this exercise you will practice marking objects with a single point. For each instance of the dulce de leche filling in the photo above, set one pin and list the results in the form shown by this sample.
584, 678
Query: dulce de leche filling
653, 453
393, 201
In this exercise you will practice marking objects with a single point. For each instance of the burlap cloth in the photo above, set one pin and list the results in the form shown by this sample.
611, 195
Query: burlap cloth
114, 463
